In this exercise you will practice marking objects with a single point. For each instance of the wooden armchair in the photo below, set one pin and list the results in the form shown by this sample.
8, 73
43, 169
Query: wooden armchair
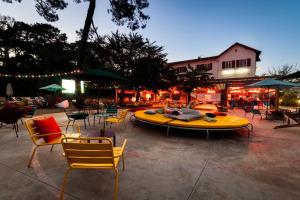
37, 139
83, 155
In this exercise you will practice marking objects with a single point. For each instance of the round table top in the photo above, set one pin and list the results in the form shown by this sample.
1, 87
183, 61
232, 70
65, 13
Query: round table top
223, 122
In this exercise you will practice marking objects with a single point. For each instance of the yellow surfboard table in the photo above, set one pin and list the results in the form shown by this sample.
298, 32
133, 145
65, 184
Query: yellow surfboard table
223, 123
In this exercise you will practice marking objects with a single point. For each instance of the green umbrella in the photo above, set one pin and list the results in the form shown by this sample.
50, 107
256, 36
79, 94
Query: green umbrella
99, 75
273, 84
52, 88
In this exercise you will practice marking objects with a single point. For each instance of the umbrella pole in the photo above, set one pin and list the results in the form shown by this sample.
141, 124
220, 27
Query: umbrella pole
98, 106
268, 102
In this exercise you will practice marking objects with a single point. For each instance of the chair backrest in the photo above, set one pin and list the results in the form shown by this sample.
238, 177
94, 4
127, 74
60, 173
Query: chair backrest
32, 130
248, 108
111, 109
10, 115
122, 114
68, 112
89, 155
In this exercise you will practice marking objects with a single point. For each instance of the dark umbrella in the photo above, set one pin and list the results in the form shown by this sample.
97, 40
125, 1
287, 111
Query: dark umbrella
99, 75
273, 84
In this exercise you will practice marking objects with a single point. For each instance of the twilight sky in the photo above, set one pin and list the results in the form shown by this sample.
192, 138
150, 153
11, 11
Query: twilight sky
188, 29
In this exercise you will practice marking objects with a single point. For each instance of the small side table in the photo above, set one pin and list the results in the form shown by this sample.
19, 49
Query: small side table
107, 133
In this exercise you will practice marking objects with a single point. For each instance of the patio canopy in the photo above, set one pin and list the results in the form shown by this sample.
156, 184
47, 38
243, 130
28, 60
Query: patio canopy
272, 83
98, 75
52, 88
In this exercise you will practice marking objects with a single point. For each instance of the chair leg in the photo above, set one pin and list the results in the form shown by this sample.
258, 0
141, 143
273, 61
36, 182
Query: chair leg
52, 147
116, 184
84, 123
33, 153
89, 121
68, 125
15, 127
64, 184
123, 159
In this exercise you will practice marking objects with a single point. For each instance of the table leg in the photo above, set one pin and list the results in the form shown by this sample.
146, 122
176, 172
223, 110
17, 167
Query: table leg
114, 140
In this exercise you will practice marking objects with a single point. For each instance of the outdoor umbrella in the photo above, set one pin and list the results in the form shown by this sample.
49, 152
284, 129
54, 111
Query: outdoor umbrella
273, 84
9, 90
99, 75
52, 88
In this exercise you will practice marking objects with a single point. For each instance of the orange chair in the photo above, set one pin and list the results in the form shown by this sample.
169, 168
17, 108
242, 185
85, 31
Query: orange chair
37, 139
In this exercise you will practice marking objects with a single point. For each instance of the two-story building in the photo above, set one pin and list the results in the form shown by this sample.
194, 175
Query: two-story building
234, 65
237, 61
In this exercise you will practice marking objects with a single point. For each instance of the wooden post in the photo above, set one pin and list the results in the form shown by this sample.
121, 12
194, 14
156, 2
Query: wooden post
276, 99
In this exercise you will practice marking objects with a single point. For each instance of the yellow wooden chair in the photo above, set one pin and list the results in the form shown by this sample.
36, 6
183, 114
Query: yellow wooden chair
38, 141
119, 119
83, 155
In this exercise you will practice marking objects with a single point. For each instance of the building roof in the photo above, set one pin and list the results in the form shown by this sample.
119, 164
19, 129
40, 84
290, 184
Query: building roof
215, 57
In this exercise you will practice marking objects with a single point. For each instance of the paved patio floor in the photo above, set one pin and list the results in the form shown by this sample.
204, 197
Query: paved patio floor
184, 166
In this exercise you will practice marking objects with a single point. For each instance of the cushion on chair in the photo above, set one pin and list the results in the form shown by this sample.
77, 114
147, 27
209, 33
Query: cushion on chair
48, 125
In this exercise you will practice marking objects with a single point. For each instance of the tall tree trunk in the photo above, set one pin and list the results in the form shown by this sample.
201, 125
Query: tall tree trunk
84, 38
85, 33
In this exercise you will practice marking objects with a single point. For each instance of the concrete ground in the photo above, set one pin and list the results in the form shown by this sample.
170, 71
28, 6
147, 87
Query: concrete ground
183, 166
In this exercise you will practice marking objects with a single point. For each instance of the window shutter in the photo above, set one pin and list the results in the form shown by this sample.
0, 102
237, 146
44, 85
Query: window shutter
248, 62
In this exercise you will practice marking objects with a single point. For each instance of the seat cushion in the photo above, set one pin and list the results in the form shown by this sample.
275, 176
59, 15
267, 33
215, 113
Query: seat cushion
112, 120
156, 119
46, 126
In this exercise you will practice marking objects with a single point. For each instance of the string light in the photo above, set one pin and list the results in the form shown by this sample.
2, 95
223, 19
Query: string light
37, 76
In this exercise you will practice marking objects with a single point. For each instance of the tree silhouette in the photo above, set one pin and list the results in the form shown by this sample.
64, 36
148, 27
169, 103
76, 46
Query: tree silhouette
123, 12
142, 62
37, 48
193, 78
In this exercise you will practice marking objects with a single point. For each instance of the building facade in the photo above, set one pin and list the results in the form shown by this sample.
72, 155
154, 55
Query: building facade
237, 61
230, 71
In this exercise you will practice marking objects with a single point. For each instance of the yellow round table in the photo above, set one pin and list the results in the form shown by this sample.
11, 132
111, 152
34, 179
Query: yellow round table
223, 123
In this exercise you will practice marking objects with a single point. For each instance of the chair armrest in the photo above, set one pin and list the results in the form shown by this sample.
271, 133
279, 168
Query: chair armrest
123, 146
41, 135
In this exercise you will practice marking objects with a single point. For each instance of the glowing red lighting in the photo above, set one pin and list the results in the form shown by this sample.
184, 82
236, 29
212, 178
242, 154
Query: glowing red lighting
235, 91
254, 91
